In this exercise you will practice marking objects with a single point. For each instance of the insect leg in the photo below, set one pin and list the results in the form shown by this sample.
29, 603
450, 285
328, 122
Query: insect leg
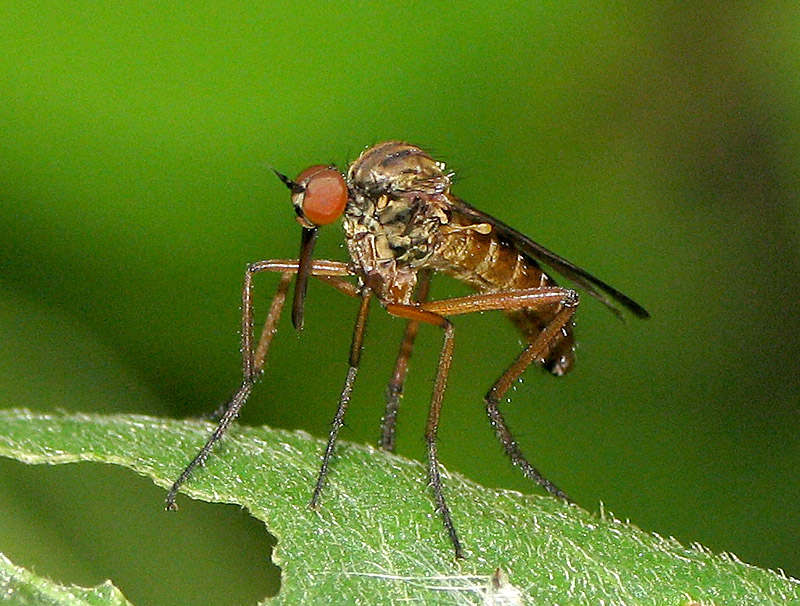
270, 325
394, 390
347, 390
253, 360
416, 313
535, 351
541, 298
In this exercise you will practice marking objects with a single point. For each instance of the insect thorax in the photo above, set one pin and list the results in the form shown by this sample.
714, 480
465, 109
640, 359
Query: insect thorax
394, 216
391, 238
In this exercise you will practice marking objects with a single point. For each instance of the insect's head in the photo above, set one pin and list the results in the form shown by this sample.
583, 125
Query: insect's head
319, 195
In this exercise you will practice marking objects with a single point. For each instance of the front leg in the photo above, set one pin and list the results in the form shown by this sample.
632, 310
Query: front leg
356, 346
253, 359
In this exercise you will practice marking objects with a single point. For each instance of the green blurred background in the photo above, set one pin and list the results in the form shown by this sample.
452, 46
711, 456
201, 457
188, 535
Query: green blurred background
655, 144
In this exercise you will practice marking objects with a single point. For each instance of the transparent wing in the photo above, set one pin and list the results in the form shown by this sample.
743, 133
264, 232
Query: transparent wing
605, 293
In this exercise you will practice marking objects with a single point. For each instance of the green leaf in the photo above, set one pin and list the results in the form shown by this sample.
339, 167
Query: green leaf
22, 588
376, 538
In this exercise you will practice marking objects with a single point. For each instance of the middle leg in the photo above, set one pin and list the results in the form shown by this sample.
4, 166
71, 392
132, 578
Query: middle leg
394, 390
417, 314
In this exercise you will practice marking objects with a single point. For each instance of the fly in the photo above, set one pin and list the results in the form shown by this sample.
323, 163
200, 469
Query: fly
402, 225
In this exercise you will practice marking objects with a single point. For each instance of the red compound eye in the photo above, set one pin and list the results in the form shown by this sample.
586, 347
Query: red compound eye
324, 194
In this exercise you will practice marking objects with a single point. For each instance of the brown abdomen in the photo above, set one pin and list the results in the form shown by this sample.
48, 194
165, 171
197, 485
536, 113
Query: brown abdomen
490, 265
